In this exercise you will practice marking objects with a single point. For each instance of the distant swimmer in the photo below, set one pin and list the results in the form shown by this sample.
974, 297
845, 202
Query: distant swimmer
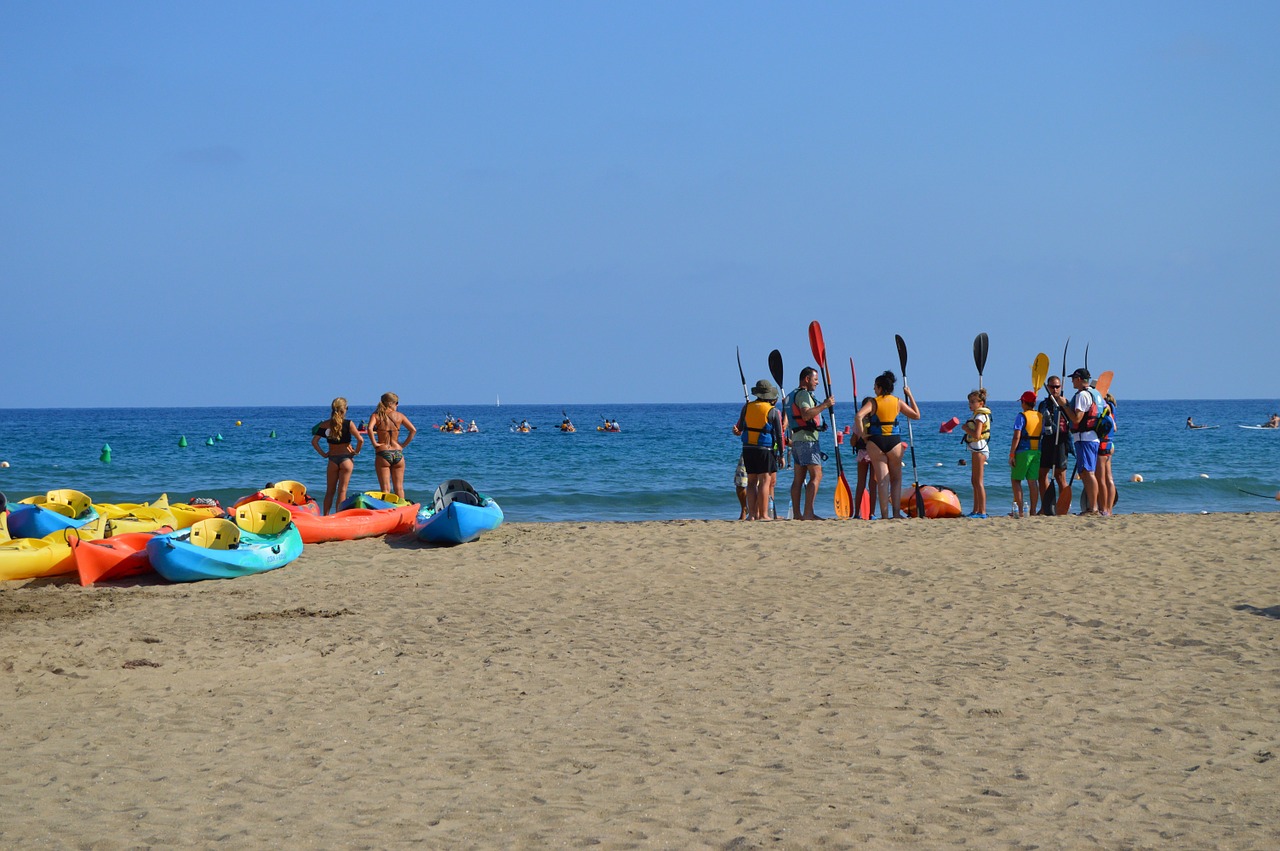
1191, 424
1274, 422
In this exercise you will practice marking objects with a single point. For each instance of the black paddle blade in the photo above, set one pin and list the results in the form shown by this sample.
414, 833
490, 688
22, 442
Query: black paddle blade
1086, 357
902, 353
775, 368
1049, 499
980, 352
741, 374
1064, 357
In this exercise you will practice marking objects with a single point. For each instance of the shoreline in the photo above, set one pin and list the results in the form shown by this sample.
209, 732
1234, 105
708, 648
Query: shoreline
1108, 681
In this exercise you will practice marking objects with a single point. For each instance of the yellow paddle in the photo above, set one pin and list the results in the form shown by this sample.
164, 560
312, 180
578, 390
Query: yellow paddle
1039, 371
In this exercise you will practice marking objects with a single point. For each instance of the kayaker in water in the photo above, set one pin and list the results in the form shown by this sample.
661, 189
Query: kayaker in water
337, 430
385, 424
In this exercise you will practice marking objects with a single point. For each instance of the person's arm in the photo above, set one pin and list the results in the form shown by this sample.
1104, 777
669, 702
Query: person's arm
741, 425
908, 403
815, 413
860, 421
317, 434
1017, 437
1069, 409
359, 440
408, 427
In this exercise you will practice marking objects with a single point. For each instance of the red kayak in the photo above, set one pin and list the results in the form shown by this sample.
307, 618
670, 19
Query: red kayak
116, 557
292, 495
355, 523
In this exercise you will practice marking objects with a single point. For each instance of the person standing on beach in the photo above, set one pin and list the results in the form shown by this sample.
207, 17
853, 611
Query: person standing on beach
1055, 446
1106, 449
866, 474
384, 430
337, 430
1083, 411
1024, 454
760, 426
877, 423
806, 456
977, 437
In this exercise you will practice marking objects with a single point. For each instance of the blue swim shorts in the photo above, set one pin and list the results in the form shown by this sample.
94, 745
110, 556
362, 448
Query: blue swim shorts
805, 453
1087, 455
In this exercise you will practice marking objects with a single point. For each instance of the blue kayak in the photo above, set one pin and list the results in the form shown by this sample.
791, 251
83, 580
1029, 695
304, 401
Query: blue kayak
456, 515
263, 537
42, 515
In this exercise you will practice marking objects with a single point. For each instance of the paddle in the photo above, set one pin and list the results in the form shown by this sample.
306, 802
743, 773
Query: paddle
844, 496
864, 504
979, 355
911, 438
1104, 382
775, 368
742, 375
1039, 371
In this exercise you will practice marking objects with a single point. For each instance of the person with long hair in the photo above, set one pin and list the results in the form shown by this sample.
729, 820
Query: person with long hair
384, 431
977, 437
338, 432
877, 423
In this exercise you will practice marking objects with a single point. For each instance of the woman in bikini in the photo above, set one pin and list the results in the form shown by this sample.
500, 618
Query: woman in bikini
877, 424
384, 431
338, 431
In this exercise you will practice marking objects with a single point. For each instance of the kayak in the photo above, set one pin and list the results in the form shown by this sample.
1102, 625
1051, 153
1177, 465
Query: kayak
938, 502
372, 499
293, 495
127, 518
30, 558
117, 557
39, 516
1260, 428
457, 514
186, 514
263, 537
352, 523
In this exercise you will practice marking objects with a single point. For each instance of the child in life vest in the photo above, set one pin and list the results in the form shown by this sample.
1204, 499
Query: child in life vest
977, 434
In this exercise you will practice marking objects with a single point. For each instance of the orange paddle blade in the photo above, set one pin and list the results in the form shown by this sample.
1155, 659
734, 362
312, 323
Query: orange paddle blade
816, 344
1104, 382
844, 499
864, 506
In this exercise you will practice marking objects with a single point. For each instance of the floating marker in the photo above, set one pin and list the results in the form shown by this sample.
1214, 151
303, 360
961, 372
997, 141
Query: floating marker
219, 437
273, 433
105, 458
182, 441
209, 442
237, 422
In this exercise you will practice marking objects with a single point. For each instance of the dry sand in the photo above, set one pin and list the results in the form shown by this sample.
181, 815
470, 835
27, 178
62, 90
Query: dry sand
1052, 683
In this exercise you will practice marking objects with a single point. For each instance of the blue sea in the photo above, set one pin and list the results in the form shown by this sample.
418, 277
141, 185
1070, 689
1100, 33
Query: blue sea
669, 461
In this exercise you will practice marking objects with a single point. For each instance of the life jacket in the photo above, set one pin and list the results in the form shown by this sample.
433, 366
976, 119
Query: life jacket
757, 429
884, 416
1035, 425
985, 433
799, 423
1106, 422
1088, 420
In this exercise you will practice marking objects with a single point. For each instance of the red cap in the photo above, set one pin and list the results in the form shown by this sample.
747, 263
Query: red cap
1029, 398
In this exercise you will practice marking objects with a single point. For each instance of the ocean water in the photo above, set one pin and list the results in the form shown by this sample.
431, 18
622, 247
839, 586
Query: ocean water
669, 462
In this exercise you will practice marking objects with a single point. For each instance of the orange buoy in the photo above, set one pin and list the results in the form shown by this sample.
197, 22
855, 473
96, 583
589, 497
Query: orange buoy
938, 502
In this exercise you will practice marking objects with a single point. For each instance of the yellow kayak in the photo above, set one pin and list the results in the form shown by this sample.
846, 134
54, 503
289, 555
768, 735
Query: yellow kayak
186, 516
123, 518
29, 558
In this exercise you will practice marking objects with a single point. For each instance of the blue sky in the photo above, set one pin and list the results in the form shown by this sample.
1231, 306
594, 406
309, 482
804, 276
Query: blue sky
244, 203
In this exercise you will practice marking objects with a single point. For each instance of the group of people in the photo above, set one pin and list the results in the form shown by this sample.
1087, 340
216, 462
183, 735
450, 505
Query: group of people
767, 428
1045, 436
384, 428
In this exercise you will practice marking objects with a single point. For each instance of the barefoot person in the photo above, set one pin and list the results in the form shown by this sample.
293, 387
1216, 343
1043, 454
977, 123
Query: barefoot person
338, 432
806, 421
1024, 455
384, 428
877, 423
760, 427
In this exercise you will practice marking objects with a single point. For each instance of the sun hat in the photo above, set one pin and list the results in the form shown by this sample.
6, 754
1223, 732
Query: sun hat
765, 390
1081, 373
1028, 398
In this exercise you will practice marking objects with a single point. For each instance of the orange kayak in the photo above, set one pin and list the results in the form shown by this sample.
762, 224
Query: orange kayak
116, 557
355, 523
938, 501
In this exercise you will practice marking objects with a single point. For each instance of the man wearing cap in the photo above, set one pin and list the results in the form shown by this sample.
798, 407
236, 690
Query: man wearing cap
806, 422
760, 425
1024, 453
1083, 413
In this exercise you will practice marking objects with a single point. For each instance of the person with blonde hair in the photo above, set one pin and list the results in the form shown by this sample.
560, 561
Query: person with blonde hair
384, 431
977, 436
338, 432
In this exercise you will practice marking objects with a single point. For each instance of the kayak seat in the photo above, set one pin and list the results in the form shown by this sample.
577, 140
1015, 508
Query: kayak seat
297, 491
215, 533
76, 501
263, 517
450, 490
277, 493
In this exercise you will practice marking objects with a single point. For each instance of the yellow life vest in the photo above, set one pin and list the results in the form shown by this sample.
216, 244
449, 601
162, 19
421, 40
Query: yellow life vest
757, 431
884, 416
1035, 425
985, 434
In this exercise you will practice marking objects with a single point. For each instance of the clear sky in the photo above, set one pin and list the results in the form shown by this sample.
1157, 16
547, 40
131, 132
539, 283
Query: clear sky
276, 203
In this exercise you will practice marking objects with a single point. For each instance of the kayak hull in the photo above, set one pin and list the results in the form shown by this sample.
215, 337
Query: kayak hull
353, 523
457, 523
938, 502
36, 521
175, 558
117, 557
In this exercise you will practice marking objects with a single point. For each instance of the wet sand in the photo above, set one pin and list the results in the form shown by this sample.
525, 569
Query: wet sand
1051, 682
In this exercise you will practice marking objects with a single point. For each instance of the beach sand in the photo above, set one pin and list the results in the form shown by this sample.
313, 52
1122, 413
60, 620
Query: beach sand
1051, 683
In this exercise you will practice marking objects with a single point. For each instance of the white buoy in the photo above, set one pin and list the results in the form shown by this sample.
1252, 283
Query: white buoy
1204, 475
1136, 477
6, 464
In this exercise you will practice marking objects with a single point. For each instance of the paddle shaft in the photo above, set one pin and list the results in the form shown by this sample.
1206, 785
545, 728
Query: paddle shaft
911, 437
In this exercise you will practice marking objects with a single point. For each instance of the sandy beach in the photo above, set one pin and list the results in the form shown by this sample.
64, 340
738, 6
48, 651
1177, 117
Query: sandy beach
1051, 683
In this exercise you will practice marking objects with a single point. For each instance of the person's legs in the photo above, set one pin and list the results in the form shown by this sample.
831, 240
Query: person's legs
895, 481
344, 478
1017, 494
330, 483
811, 491
382, 468
397, 478
978, 467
